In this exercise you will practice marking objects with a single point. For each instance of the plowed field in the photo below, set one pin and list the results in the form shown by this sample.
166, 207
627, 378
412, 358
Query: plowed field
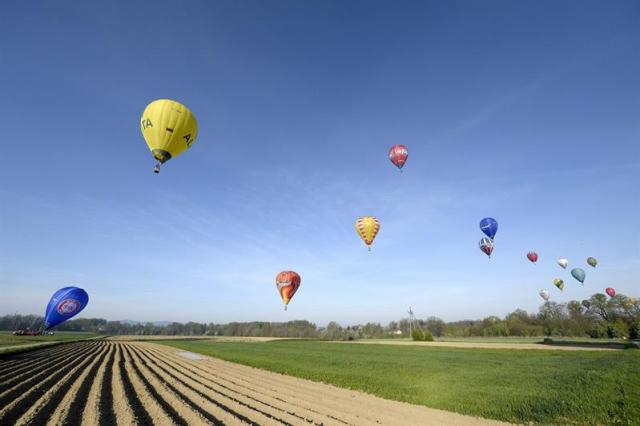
112, 382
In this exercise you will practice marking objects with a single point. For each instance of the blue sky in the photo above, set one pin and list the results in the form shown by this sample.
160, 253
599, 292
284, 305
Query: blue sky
525, 111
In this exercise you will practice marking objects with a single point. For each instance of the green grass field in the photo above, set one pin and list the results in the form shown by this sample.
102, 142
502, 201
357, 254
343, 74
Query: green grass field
539, 386
587, 340
7, 339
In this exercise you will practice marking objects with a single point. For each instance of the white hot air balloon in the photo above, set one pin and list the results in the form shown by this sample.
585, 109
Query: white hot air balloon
563, 262
544, 294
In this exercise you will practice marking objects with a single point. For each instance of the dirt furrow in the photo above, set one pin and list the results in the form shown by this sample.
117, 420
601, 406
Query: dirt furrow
17, 400
157, 406
214, 413
127, 405
106, 406
70, 410
219, 396
253, 398
91, 413
12, 386
19, 362
29, 370
41, 409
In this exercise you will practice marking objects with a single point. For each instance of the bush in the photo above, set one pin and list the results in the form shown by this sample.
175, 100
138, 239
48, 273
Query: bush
617, 329
598, 331
634, 330
417, 335
428, 337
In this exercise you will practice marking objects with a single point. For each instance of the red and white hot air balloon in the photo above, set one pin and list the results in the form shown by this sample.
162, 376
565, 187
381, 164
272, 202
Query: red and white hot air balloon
532, 256
486, 245
611, 291
398, 155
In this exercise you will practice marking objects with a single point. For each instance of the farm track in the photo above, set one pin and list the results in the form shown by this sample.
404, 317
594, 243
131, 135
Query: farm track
118, 382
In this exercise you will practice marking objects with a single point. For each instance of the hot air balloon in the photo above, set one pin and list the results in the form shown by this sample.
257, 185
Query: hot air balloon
544, 294
563, 262
532, 256
489, 226
398, 155
169, 128
486, 245
586, 304
287, 283
558, 283
64, 304
367, 227
578, 274
592, 261
611, 291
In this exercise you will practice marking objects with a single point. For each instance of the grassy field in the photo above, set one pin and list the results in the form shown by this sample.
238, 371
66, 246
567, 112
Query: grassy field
7, 339
528, 340
548, 387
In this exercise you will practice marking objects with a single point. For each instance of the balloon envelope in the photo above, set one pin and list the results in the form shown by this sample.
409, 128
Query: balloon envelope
578, 274
398, 155
64, 304
489, 226
486, 245
592, 261
611, 291
532, 256
287, 283
558, 283
563, 262
544, 294
169, 128
367, 228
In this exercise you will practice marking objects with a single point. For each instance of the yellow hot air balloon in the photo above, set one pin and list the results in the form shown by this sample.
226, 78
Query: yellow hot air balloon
367, 227
169, 128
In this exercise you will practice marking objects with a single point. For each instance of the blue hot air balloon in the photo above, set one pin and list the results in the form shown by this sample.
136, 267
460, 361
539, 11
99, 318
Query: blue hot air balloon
64, 304
578, 274
489, 226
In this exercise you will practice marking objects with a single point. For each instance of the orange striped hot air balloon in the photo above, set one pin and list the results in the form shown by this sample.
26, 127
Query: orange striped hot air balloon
287, 283
367, 227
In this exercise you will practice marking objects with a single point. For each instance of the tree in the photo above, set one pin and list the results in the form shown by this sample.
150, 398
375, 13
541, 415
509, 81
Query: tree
435, 325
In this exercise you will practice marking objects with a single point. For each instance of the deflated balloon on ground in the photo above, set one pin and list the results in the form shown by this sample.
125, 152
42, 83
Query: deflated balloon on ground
64, 304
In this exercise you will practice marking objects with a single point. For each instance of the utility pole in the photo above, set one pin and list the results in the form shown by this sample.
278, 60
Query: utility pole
410, 322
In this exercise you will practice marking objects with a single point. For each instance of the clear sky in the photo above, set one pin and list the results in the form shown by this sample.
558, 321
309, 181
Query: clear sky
525, 111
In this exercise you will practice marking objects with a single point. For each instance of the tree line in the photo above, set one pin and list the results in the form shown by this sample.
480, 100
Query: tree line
597, 317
